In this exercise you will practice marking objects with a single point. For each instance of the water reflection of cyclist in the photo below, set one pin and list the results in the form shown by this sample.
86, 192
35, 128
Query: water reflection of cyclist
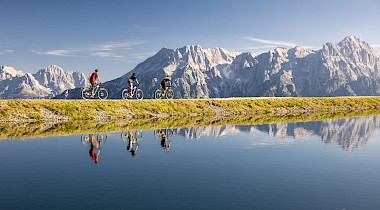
163, 84
130, 82
94, 148
165, 143
132, 144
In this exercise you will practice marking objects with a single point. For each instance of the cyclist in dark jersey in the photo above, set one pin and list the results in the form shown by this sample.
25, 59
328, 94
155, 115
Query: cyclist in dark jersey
165, 143
130, 82
163, 84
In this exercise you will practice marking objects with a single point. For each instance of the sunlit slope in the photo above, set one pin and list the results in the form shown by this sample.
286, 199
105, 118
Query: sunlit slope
64, 110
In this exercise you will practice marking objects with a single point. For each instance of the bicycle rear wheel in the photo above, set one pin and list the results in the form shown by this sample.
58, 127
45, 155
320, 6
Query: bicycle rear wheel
85, 139
125, 94
169, 94
102, 93
139, 94
124, 136
86, 93
157, 94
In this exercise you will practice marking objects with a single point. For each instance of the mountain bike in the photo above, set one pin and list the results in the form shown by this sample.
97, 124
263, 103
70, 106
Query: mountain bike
86, 138
136, 134
102, 93
169, 93
128, 94
166, 131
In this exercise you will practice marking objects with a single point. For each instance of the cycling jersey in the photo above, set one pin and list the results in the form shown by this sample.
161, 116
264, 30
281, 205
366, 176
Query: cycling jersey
93, 77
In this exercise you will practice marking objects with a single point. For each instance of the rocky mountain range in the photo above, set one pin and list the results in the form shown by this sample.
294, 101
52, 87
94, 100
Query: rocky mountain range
46, 83
348, 68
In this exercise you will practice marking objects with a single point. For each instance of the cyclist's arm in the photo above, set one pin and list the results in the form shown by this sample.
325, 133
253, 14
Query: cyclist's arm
99, 80
137, 81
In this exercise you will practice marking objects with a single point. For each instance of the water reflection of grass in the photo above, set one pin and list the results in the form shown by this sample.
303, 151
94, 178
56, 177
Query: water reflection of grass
41, 129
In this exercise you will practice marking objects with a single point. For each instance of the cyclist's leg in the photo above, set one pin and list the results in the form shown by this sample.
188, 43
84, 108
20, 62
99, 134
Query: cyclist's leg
131, 89
163, 89
92, 88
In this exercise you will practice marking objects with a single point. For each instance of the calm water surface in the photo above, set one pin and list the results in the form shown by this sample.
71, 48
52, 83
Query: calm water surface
314, 165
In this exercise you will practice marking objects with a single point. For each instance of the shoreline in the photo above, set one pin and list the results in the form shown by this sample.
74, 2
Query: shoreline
39, 129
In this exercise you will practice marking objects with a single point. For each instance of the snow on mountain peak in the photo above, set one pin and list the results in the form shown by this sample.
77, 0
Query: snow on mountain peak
7, 72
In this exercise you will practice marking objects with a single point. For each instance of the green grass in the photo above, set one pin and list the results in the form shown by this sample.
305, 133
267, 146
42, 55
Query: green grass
46, 110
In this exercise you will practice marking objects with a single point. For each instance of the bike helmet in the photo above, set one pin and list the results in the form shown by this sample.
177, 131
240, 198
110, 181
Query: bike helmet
167, 78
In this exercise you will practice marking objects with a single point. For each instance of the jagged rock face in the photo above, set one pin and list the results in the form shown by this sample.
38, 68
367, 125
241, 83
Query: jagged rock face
348, 68
58, 80
45, 83
194, 72
352, 67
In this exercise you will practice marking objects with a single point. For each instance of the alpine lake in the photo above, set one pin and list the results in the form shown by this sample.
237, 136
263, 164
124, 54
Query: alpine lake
192, 164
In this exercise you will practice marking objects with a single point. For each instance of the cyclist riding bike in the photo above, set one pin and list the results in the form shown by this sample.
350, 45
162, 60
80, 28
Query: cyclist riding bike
163, 84
130, 83
93, 78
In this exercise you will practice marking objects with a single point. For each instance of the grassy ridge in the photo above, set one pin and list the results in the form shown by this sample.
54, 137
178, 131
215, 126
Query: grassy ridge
55, 110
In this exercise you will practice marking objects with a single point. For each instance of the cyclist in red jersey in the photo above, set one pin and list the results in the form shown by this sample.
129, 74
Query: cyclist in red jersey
93, 78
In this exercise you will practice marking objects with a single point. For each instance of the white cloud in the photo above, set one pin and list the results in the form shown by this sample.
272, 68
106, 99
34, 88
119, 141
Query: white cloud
123, 45
3, 52
6, 46
66, 53
112, 49
106, 55
144, 27
271, 42
258, 48
142, 55
375, 45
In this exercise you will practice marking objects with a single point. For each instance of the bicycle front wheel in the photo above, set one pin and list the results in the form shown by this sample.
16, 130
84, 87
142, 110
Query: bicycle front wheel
157, 94
86, 93
103, 93
139, 94
102, 137
169, 94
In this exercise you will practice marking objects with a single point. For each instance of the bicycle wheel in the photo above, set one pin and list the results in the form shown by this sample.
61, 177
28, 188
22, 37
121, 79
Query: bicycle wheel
169, 94
85, 138
169, 132
157, 133
86, 93
125, 94
157, 94
138, 134
102, 137
139, 94
102, 93
124, 136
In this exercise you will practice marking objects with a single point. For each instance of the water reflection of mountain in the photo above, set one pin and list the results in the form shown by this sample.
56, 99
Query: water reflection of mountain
349, 133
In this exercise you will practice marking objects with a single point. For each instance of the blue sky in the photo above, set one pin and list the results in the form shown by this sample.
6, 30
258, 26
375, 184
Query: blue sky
114, 36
